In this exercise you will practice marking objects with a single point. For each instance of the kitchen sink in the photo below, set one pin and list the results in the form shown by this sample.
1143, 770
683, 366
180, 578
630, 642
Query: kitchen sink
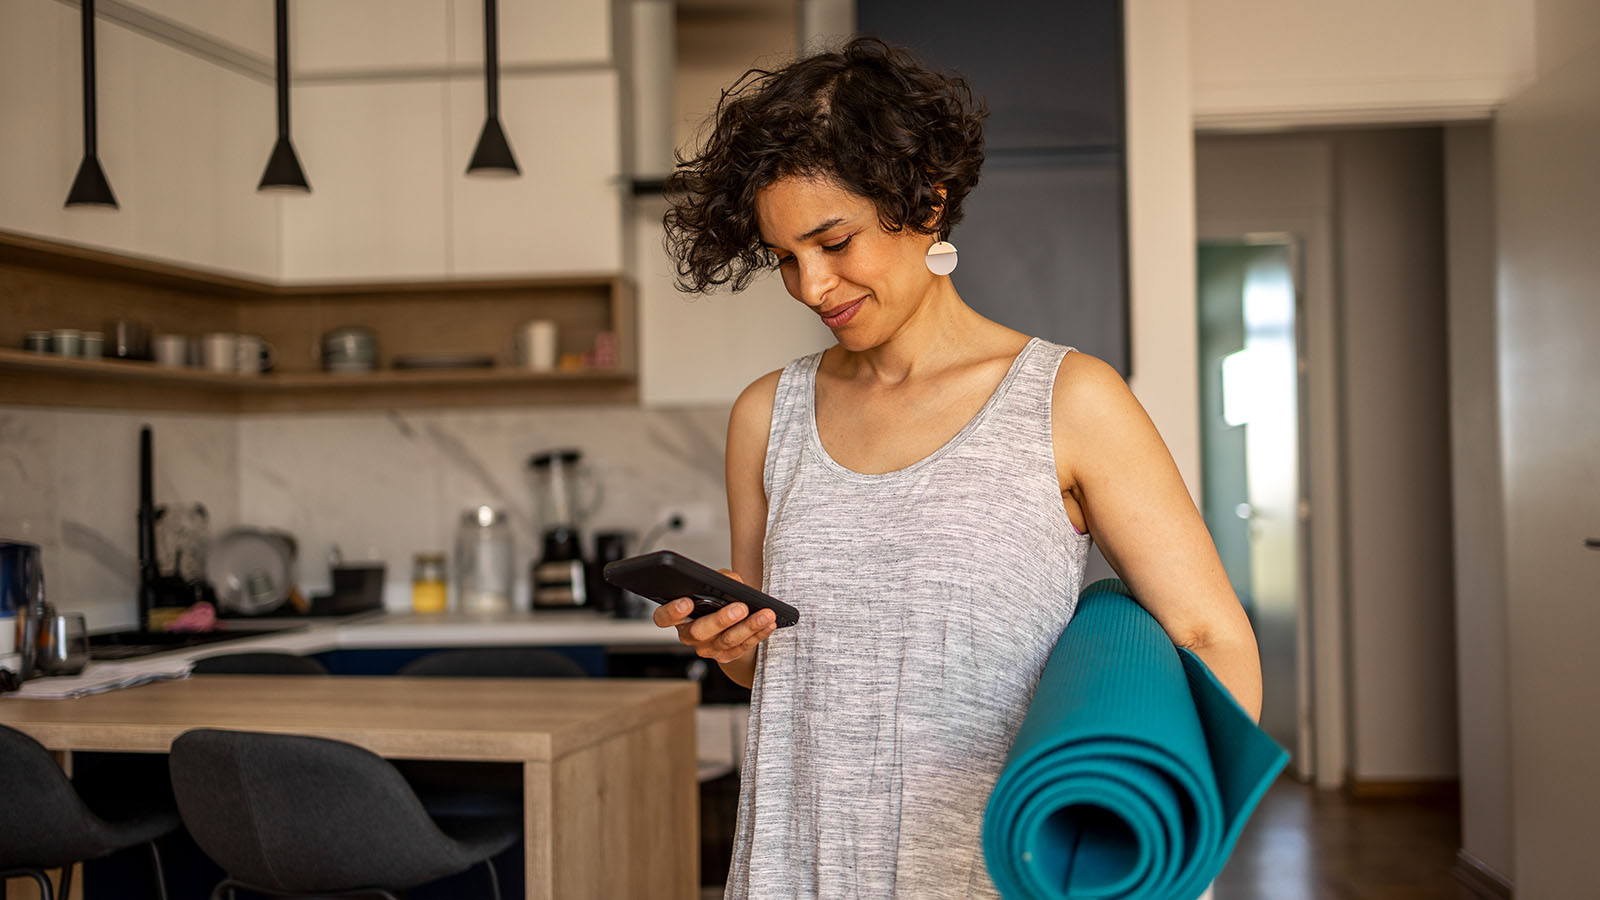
134, 643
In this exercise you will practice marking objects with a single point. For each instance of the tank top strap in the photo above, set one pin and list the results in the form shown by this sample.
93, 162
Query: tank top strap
791, 420
1031, 393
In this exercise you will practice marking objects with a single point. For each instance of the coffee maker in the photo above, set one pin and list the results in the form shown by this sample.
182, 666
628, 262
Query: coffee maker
558, 577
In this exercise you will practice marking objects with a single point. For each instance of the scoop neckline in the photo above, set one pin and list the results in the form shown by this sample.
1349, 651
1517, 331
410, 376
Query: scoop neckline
955, 440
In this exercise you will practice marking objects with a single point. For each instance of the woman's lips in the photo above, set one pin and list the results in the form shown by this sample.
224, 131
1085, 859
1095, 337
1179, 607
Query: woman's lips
842, 316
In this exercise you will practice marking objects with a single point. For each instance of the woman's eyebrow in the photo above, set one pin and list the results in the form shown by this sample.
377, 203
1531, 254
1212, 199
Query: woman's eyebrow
836, 220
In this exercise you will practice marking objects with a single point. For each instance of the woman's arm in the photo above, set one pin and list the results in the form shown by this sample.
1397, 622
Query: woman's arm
1113, 463
730, 635
748, 427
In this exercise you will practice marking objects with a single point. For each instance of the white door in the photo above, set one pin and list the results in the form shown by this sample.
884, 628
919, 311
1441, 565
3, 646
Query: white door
1547, 141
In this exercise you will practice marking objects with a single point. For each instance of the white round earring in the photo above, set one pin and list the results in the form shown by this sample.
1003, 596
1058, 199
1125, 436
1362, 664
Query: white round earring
941, 258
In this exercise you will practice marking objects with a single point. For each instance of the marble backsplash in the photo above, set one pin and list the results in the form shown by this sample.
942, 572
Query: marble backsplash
69, 482
381, 486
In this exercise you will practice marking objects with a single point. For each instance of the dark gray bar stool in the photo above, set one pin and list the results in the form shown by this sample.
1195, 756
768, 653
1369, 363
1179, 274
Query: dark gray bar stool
294, 816
45, 823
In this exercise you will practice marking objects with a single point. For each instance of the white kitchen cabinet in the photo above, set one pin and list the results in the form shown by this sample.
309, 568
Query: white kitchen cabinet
181, 140
536, 31
563, 215
247, 26
375, 159
353, 36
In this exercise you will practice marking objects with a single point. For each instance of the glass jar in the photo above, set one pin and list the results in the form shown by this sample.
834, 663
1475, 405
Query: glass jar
483, 561
429, 590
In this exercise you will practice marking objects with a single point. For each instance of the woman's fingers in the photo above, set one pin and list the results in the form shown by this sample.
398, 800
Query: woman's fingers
676, 612
709, 628
748, 645
725, 635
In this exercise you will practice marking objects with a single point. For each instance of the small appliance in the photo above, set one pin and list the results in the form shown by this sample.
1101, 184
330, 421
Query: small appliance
558, 577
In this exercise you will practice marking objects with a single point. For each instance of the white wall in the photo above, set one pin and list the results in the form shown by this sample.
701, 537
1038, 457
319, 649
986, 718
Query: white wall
1161, 231
1270, 63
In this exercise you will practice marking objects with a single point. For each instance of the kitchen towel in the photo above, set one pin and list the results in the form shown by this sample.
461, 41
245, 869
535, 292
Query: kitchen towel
1133, 771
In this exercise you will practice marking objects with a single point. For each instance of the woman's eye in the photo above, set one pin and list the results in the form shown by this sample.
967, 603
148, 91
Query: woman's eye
835, 248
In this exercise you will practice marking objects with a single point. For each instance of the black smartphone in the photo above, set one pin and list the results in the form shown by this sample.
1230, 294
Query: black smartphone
664, 576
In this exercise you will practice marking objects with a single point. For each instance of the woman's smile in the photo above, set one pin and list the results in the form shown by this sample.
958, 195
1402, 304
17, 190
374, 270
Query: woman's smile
838, 316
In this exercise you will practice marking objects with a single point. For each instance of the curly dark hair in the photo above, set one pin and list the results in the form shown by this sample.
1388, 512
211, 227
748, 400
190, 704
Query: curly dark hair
868, 117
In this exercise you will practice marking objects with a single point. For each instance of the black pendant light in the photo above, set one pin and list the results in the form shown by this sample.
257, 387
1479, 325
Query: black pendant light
493, 154
283, 167
90, 187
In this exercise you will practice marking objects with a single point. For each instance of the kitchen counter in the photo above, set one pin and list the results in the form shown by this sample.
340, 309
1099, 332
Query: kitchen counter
369, 631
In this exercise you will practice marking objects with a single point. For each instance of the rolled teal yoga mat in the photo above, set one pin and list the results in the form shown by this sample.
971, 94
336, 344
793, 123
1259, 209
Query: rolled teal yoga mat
1133, 772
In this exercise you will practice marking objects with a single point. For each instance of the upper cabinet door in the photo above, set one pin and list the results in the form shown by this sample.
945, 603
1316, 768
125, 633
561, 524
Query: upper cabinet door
356, 36
182, 141
563, 215
538, 32
375, 159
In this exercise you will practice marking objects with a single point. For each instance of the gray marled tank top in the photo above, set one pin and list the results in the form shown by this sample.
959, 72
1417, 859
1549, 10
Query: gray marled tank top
930, 598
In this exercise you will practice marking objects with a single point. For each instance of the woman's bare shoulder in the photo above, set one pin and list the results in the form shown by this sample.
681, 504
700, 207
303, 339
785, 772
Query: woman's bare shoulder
751, 418
1088, 388
756, 400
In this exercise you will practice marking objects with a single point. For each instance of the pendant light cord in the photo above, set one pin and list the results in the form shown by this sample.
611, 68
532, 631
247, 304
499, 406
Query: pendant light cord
91, 142
491, 56
283, 67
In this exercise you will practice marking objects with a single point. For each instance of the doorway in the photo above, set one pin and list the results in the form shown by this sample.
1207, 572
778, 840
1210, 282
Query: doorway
1252, 392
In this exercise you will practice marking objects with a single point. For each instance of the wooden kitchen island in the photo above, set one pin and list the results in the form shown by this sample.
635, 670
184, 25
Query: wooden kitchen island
610, 805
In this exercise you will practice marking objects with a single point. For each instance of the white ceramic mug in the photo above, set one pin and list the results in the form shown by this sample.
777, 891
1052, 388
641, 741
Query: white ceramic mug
536, 345
219, 352
253, 355
170, 349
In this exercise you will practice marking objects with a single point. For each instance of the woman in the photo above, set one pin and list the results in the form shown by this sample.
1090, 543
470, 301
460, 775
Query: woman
924, 491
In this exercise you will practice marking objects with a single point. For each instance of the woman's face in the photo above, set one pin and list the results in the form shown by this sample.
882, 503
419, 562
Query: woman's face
836, 259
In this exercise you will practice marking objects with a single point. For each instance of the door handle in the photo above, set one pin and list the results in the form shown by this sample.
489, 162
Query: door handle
1592, 543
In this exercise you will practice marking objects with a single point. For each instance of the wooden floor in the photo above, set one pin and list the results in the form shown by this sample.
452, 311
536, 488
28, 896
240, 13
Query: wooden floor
1304, 844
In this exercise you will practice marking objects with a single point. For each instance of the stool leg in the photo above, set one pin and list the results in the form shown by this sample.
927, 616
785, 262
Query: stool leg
66, 881
45, 891
494, 880
161, 876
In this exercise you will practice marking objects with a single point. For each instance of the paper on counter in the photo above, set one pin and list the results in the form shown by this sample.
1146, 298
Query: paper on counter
100, 677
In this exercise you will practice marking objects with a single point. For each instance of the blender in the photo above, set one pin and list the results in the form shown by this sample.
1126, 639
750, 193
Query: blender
558, 576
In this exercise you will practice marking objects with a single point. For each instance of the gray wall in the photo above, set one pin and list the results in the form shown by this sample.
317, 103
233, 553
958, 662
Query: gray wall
1480, 565
1397, 453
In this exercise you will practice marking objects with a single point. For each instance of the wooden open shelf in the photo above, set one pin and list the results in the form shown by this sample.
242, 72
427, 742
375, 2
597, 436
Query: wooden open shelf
45, 286
27, 377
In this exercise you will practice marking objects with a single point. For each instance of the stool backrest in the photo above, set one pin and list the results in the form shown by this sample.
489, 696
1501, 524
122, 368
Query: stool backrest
301, 814
39, 807
258, 664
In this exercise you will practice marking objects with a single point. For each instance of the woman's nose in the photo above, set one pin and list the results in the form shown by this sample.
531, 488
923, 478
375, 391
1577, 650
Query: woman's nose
816, 279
